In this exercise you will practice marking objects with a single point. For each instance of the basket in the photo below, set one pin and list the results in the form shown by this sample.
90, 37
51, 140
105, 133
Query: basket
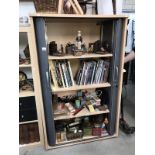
46, 5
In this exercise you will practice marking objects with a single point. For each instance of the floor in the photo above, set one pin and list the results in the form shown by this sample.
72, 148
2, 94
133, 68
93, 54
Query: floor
123, 145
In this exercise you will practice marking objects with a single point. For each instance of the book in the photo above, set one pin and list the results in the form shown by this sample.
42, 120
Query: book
69, 67
69, 80
96, 72
53, 75
92, 72
64, 73
106, 71
102, 74
61, 75
89, 74
82, 74
58, 76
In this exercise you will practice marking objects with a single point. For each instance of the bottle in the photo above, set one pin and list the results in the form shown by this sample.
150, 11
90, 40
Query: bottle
79, 40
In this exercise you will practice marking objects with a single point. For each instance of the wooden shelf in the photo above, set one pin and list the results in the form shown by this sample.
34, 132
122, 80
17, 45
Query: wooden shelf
25, 66
43, 14
82, 56
24, 28
80, 87
27, 122
81, 115
26, 93
80, 139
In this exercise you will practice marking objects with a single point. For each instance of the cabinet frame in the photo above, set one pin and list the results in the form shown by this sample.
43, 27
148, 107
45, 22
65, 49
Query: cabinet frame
120, 69
37, 86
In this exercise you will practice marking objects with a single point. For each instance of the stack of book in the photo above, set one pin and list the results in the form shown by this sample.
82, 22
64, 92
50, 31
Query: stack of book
61, 73
93, 72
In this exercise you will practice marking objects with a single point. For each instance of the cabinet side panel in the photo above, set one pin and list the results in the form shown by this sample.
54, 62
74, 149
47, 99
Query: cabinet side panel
44, 74
116, 48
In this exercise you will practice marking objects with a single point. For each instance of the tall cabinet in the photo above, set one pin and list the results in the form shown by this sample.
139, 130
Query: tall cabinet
62, 29
30, 122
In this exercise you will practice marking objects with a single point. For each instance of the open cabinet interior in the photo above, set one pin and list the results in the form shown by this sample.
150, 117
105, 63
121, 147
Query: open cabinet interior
80, 86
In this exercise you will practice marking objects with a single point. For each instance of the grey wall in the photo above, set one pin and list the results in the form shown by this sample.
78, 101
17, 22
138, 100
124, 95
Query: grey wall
129, 5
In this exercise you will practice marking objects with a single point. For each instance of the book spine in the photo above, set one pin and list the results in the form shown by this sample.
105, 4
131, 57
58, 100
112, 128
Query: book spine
100, 71
102, 75
93, 74
106, 72
87, 73
90, 73
80, 72
68, 74
58, 74
62, 79
96, 72
53, 74
69, 67
64, 72
79, 76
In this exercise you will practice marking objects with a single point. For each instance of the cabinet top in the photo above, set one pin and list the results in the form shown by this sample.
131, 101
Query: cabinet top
76, 16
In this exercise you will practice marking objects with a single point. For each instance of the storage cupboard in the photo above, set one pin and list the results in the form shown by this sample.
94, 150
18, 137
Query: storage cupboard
30, 123
81, 87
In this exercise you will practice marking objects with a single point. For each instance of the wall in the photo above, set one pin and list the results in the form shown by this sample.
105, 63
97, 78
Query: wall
129, 5
25, 8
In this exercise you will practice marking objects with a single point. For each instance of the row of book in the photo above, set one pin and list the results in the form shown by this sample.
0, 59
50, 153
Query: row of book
93, 72
61, 73
90, 72
28, 133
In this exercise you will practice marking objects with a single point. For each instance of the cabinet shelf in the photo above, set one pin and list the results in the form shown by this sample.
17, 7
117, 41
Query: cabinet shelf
81, 115
26, 93
27, 122
80, 87
43, 14
25, 66
81, 139
79, 57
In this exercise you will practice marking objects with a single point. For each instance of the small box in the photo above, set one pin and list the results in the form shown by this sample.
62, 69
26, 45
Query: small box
97, 131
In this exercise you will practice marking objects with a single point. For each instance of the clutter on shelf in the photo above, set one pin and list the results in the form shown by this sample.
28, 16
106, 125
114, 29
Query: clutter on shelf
25, 84
78, 47
81, 104
81, 128
25, 57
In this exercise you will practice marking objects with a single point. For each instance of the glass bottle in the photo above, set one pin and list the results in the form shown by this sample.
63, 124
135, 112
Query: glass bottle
79, 40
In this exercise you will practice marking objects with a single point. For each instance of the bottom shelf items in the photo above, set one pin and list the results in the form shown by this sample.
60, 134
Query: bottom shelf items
28, 133
80, 129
